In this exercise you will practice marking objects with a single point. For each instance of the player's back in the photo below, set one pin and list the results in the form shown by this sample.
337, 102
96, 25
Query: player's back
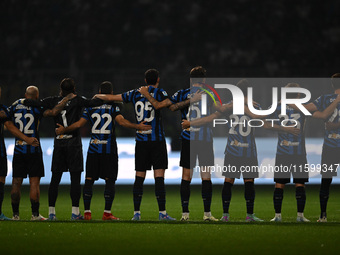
102, 120
27, 120
180, 96
144, 111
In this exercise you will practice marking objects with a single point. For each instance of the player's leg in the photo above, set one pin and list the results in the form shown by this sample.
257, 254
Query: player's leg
249, 195
87, 197
138, 193
53, 194
300, 194
185, 192
277, 200
35, 197
2, 193
15, 196
324, 195
226, 197
75, 193
109, 195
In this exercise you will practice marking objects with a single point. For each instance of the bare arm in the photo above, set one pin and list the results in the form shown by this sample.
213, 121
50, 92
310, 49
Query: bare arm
76, 125
108, 97
17, 133
278, 128
332, 126
59, 107
328, 111
201, 121
144, 90
126, 123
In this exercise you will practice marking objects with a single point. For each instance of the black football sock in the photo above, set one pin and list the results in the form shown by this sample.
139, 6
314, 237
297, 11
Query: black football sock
109, 193
138, 192
15, 197
226, 196
324, 195
206, 194
53, 188
249, 195
160, 192
35, 207
185, 195
75, 191
277, 199
2, 191
87, 194
300, 194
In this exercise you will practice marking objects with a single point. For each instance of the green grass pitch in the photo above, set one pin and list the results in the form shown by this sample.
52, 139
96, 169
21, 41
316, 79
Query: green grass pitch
152, 237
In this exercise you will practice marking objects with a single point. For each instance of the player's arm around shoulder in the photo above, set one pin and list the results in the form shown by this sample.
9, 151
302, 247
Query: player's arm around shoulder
60, 130
144, 90
128, 124
59, 107
109, 97
328, 111
17, 133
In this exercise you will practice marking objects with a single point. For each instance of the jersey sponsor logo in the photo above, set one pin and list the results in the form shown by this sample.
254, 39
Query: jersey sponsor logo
334, 136
289, 143
238, 144
61, 137
144, 132
97, 141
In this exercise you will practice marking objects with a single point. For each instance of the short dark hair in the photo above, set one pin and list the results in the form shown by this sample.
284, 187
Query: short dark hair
293, 85
336, 81
151, 76
198, 72
243, 85
67, 85
106, 87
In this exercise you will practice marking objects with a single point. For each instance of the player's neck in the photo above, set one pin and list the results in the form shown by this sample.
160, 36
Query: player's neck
197, 85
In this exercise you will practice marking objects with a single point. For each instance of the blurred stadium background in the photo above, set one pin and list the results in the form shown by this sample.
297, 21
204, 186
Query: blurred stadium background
43, 42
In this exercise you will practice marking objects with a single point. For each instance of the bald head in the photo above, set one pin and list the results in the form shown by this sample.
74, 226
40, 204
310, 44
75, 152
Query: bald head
32, 92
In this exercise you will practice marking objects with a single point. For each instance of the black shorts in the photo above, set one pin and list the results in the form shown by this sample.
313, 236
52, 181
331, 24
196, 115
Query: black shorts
28, 164
330, 157
234, 166
287, 165
3, 166
203, 152
185, 154
67, 159
104, 166
151, 155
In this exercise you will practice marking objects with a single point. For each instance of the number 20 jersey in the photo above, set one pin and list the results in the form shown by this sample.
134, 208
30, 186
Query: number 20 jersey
144, 111
102, 119
26, 119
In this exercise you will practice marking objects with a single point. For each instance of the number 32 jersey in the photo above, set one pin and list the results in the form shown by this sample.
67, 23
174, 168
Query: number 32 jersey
102, 119
144, 111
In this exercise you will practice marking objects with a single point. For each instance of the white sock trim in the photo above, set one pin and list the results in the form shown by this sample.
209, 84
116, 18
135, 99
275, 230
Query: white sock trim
51, 210
75, 210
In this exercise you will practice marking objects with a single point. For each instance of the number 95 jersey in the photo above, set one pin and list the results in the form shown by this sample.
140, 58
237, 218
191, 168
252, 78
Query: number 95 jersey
102, 119
144, 111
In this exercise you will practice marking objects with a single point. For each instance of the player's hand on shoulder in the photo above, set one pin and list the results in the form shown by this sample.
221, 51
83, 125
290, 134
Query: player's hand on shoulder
143, 90
331, 126
197, 96
70, 96
33, 141
60, 129
185, 124
292, 130
142, 126
337, 99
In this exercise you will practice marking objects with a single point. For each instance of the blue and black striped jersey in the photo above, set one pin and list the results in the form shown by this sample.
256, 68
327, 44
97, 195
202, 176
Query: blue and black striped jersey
332, 137
144, 111
201, 133
102, 119
26, 119
3, 153
289, 144
180, 96
241, 140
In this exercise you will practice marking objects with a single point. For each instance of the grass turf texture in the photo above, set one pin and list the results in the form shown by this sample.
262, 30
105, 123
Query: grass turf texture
195, 237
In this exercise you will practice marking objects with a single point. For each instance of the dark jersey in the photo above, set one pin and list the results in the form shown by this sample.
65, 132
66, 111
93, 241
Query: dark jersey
71, 114
102, 119
201, 133
26, 119
241, 140
289, 144
2, 121
180, 96
332, 137
144, 111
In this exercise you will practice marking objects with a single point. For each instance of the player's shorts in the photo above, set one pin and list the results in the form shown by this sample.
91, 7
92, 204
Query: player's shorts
28, 164
104, 166
330, 157
67, 159
151, 155
185, 154
235, 166
203, 152
3, 166
287, 165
